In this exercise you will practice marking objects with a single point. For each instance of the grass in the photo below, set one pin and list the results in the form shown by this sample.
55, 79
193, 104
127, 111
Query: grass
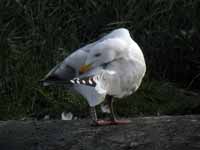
36, 35
159, 98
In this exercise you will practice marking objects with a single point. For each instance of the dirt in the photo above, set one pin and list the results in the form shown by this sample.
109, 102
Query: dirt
143, 133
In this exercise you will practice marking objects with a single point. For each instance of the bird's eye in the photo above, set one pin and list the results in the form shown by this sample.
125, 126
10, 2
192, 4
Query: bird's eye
97, 54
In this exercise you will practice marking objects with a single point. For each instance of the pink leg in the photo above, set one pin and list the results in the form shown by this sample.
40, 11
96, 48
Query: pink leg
113, 120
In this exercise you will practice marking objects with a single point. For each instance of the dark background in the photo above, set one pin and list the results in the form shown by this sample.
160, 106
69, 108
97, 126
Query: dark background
35, 35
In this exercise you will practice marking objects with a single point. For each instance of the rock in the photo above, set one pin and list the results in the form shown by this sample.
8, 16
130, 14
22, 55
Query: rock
66, 116
144, 133
46, 117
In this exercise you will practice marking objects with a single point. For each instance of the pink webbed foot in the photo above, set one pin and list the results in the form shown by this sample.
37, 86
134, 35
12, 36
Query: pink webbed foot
122, 121
111, 122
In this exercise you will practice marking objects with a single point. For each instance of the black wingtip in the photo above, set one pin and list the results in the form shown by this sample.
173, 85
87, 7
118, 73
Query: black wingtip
41, 82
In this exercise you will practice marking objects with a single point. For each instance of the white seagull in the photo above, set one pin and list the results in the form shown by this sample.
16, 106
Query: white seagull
112, 67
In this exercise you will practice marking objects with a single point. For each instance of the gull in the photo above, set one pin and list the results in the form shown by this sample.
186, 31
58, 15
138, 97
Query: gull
112, 67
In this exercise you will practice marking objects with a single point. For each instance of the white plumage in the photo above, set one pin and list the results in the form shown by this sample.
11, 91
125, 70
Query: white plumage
115, 63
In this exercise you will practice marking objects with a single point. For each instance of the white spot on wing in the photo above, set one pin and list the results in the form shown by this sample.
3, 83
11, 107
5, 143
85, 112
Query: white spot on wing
72, 81
90, 82
83, 81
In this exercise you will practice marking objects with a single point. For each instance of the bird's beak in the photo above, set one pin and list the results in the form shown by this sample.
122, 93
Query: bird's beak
85, 68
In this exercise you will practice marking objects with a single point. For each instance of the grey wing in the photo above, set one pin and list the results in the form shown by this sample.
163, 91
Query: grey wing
66, 70
69, 68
